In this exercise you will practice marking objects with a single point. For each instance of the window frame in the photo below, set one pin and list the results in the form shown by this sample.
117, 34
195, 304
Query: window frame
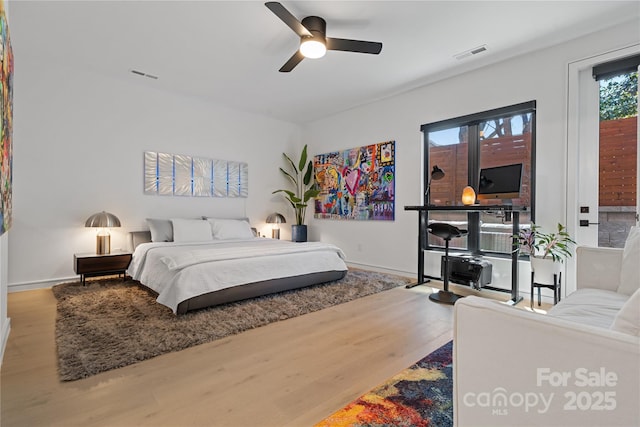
472, 122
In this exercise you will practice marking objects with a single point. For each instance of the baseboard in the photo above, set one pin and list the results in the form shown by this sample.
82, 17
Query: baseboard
381, 269
5, 337
39, 284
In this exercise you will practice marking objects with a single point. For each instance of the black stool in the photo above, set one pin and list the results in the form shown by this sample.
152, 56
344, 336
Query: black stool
447, 232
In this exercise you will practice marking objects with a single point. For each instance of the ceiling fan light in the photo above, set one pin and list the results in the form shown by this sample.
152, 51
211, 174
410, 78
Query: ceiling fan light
312, 48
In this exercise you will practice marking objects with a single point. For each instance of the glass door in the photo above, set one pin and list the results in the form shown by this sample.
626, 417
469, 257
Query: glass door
617, 158
584, 166
603, 148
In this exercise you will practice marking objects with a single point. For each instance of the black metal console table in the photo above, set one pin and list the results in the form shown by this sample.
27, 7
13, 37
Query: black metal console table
514, 211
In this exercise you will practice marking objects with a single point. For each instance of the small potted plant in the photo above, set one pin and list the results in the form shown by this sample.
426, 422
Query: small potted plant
300, 176
547, 251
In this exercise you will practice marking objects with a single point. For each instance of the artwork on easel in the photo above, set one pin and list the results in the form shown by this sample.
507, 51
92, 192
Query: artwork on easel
6, 123
356, 184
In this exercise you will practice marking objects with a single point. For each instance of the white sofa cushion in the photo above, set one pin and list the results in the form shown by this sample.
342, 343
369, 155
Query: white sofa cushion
594, 307
630, 270
628, 318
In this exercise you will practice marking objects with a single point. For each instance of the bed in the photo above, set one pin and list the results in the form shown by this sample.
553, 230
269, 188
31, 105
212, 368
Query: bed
192, 270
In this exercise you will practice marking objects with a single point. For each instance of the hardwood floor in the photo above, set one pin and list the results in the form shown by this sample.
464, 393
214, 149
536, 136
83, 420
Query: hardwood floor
289, 373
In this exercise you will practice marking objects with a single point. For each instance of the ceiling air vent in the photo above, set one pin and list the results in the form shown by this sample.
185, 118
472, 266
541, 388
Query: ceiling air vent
474, 51
140, 73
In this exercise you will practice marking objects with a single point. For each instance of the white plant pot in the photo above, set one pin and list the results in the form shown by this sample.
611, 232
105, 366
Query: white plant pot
544, 269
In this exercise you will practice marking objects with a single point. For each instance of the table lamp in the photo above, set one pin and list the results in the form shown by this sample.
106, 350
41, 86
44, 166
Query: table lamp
103, 221
275, 218
468, 196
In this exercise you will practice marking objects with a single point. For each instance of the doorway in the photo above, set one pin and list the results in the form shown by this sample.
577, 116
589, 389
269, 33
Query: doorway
587, 211
603, 135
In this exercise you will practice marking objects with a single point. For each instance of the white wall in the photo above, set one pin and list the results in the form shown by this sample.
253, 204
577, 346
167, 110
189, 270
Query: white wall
79, 142
540, 76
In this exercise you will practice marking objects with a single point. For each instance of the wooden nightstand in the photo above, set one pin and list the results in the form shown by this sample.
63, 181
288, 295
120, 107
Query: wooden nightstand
88, 265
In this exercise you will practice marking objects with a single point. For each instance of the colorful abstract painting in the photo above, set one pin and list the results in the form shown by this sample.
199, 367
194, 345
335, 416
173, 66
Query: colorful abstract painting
419, 396
6, 123
356, 184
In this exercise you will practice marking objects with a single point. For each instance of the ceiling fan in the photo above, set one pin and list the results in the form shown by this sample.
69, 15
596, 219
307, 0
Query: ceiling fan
314, 42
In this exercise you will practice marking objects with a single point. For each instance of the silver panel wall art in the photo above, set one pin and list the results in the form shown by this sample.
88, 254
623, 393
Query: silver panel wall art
179, 175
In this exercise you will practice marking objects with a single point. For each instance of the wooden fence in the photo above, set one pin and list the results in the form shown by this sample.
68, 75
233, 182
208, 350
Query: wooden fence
618, 162
500, 151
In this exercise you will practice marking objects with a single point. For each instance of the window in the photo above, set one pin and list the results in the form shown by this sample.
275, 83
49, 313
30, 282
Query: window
461, 147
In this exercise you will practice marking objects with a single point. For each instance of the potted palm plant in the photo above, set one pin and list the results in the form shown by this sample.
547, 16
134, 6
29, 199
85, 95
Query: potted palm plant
300, 176
547, 251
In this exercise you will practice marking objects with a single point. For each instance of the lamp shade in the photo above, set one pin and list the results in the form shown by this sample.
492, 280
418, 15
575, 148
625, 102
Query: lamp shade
437, 173
276, 218
102, 220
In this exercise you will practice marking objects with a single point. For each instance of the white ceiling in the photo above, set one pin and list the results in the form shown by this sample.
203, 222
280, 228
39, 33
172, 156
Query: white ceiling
229, 52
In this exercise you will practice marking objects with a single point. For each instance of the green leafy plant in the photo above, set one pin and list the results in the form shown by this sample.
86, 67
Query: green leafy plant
300, 176
619, 97
556, 245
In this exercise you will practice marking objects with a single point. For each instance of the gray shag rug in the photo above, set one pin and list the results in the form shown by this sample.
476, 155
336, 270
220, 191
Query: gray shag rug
109, 323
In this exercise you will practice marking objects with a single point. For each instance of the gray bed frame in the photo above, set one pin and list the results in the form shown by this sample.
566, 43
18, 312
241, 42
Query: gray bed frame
241, 292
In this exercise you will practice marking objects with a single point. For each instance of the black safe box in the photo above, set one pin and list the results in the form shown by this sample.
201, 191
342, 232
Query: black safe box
468, 270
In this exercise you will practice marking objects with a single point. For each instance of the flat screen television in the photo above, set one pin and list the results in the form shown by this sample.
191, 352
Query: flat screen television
500, 182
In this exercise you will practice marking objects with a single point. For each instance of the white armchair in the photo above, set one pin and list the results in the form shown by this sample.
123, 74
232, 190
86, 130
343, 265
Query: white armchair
598, 268
514, 367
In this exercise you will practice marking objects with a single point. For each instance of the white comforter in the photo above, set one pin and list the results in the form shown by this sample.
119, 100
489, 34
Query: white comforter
179, 271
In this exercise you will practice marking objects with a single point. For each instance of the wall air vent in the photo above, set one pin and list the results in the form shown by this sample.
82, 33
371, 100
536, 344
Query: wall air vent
140, 73
474, 51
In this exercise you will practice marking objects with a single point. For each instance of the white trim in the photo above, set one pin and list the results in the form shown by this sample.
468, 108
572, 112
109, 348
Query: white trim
40, 284
4, 338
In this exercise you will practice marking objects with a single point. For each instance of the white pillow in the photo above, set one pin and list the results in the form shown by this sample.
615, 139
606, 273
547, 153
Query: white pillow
628, 318
161, 230
191, 230
230, 229
630, 270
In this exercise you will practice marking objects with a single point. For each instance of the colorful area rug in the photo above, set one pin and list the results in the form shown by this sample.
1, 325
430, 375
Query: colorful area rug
110, 323
419, 396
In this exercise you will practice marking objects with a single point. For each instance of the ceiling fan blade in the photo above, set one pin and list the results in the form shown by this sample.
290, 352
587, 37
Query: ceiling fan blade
287, 18
354, 45
292, 62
